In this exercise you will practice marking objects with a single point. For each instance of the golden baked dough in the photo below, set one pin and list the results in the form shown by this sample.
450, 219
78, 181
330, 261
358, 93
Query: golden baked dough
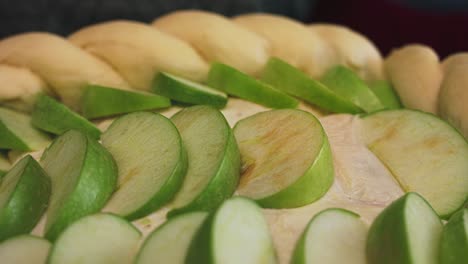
453, 60
292, 42
20, 87
217, 38
353, 50
415, 73
138, 51
64, 67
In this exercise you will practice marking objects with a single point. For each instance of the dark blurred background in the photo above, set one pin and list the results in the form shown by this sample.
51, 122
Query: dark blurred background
442, 24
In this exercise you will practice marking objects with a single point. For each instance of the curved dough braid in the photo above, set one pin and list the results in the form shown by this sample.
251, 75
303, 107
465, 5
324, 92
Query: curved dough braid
292, 42
138, 51
217, 38
353, 50
64, 67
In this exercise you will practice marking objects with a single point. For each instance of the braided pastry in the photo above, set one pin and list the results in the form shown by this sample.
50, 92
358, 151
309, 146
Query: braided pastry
292, 42
127, 55
217, 39
64, 67
138, 51
353, 50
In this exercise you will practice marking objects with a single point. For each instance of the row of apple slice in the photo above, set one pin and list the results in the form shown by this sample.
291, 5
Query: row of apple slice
407, 231
340, 90
152, 167
236, 231
285, 155
151, 153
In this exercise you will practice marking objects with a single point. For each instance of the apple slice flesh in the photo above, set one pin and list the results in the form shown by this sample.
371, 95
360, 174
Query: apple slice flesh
424, 154
234, 82
286, 158
386, 94
83, 175
99, 238
24, 195
454, 242
169, 243
186, 91
407, 231
235, 233
16, 132
152, 163
213, 159
100, 101
292, 81
333, 236
54, 117
24, 249
348, 84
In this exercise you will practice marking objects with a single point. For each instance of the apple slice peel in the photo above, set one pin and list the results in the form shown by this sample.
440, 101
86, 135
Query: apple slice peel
24, 196
54, 117
408, 231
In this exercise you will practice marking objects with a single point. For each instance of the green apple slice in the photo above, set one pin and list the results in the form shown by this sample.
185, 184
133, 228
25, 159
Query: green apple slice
286, 158
454, 242
407, 231
24, 195
236, 232
237, 83
100, 101
169, 243
56, 118
24, 249
186, 91
292, 81
386, 94
347, 84
99, 238
333, 236
16, 132
424, 154
152, 163
213, 159
83, 175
